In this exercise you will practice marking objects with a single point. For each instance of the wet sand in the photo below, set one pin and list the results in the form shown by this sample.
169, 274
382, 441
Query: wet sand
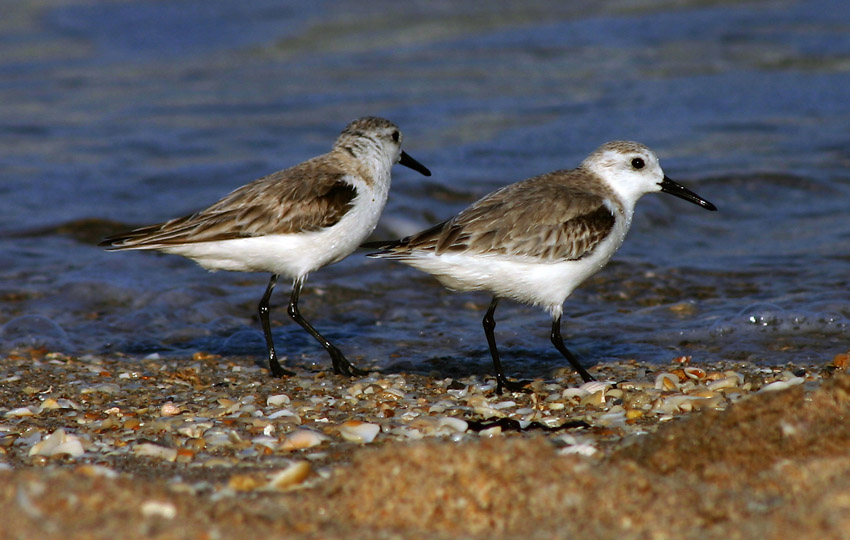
754, 464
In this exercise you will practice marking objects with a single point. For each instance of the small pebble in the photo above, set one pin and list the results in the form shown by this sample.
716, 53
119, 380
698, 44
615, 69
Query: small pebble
169, 409
155, 451
159, 509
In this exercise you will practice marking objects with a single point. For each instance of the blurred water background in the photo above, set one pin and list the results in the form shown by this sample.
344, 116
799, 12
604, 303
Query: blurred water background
123, 113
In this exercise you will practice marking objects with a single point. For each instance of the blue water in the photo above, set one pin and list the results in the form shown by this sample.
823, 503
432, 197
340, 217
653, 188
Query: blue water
139, 111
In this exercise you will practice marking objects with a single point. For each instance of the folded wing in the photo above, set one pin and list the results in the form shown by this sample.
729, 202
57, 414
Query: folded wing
292, 203
552, 222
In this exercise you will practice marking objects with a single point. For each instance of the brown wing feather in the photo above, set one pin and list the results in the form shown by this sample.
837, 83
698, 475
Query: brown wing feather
535, 218
307, 197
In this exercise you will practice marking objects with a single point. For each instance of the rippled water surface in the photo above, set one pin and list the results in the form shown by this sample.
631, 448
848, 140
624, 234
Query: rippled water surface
115, 114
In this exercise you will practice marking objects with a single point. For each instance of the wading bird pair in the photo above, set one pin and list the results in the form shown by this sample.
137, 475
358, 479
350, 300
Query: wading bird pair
533, 241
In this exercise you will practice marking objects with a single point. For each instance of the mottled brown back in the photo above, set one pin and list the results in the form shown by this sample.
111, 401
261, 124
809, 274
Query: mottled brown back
550, 217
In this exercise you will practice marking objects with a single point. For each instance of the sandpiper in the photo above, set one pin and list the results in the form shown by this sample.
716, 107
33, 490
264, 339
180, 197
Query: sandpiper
536, 240
291, 222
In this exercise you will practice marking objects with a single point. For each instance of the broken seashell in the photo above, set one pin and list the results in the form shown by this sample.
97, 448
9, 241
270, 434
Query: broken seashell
591, 387
277, 400
155, 451
730, 381
21, 411
666, 381
290, 477
453, 424
359, 432
694, 373
58, 443
569, 393
782, 385
303, 438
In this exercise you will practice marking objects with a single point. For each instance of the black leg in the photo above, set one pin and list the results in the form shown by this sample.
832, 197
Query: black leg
274, 365
489, 323
341, 365
559, 344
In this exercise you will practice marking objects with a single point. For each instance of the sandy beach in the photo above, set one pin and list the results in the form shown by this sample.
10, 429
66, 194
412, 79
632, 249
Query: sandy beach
99, 447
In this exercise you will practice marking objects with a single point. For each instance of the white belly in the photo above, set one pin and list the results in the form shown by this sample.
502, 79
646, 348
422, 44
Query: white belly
546, 284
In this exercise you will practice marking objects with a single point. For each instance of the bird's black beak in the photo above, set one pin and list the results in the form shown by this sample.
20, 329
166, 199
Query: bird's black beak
671, 187
408, 161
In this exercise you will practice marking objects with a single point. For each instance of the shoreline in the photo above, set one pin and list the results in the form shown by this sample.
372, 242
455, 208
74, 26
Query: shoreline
105, 446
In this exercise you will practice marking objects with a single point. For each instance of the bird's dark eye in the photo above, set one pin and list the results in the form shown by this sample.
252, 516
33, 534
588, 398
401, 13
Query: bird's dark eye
395, 136
638, 163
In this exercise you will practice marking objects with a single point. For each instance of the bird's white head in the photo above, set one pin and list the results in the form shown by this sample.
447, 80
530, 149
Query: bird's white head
376, 140
631, 169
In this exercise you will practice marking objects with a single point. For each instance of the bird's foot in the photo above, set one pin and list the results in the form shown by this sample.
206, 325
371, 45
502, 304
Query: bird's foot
587, 377
277, 370
511, 386
342, 366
